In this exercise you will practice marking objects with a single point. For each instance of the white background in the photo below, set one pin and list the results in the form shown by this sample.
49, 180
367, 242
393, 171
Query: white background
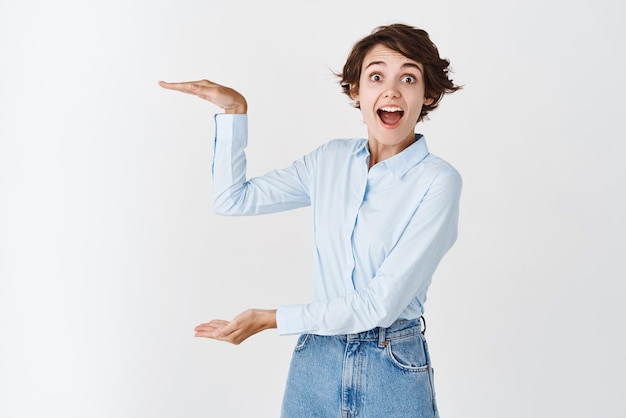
110, 253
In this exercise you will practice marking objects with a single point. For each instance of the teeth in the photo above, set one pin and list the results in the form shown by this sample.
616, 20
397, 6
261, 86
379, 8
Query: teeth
390, 109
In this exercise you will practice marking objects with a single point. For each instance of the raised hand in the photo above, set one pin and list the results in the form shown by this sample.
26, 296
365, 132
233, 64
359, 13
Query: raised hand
228, 99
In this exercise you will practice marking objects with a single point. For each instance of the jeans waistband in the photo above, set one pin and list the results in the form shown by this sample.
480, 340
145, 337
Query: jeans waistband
399, 328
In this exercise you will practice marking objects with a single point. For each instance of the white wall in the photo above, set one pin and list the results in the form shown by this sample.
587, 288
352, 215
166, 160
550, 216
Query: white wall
110, 254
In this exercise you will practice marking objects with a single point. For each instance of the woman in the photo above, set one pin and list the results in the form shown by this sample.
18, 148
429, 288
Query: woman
385, 212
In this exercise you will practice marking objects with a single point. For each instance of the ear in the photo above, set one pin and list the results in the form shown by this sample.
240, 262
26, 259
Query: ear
428, 101
354, 92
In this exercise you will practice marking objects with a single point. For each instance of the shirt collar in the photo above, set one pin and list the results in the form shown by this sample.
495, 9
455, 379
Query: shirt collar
361, 148
401, 163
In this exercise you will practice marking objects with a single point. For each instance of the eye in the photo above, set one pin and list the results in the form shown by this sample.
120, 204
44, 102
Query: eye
409, 79
376, 77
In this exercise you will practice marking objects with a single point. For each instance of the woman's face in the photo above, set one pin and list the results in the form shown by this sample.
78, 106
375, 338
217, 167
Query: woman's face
391, 95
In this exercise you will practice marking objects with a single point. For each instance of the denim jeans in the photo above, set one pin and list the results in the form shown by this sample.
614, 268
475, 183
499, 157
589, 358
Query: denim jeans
384, 372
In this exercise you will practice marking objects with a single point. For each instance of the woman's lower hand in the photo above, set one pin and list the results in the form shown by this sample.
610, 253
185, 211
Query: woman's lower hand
244, 325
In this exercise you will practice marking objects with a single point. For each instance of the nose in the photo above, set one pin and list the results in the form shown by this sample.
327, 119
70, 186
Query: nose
391, 90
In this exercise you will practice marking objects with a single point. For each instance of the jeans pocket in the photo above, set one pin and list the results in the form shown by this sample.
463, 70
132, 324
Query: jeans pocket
431, 372
302, 341
407, 353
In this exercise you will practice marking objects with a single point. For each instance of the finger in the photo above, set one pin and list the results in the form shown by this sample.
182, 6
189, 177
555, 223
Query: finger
212, 329
186, 86
210, 92
235, 336
214, 322
209, 332
182, 87
228, 329
214, 334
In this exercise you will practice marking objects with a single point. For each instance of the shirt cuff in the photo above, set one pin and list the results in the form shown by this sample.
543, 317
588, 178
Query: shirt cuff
289, 320
231, 126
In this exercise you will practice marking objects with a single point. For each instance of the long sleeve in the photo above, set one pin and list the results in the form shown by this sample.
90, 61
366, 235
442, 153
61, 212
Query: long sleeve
234, 194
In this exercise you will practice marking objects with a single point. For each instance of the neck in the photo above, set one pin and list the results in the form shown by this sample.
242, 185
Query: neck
380, 152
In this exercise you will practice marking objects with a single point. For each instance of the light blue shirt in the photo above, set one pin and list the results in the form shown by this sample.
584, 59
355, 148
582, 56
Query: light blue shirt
379, 234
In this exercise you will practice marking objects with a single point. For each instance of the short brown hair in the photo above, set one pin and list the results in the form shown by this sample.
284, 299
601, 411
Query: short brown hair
414, 44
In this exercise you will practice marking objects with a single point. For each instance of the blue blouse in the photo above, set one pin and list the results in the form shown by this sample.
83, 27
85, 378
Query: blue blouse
379, 234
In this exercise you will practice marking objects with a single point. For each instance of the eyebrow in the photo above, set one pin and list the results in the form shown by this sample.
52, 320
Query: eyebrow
405, 65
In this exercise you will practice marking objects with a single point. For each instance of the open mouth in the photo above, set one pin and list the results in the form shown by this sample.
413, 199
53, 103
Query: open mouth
390, 115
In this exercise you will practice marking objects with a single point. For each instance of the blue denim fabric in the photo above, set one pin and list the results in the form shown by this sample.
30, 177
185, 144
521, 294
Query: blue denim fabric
384, 372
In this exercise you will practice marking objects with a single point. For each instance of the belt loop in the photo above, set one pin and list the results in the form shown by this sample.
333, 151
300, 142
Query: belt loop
381, 337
